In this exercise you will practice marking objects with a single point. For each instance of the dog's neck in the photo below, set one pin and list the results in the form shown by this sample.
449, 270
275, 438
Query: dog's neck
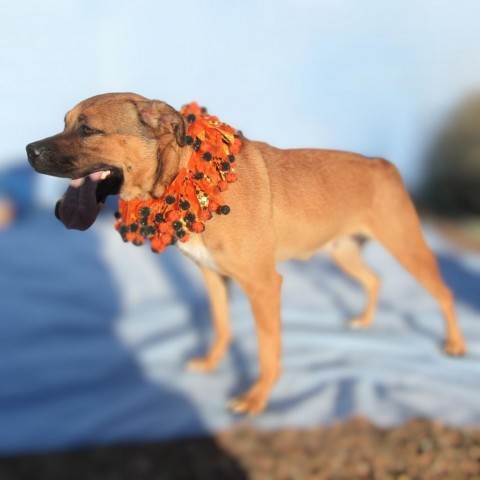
187, 186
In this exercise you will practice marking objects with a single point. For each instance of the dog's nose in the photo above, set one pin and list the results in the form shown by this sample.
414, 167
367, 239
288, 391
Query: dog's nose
33, 152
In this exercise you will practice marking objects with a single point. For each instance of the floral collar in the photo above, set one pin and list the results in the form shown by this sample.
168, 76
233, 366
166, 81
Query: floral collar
194, 195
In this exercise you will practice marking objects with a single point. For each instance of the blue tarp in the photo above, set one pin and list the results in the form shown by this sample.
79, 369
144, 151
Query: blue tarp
94, 335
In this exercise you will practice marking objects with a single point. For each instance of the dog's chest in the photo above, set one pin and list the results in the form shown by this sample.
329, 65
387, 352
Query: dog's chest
195, 249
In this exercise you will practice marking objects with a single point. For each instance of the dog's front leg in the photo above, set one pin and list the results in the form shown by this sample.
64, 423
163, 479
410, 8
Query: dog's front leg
263, 292
217, 290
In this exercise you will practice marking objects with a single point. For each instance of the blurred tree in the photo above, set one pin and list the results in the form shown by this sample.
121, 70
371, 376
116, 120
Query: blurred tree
451, 187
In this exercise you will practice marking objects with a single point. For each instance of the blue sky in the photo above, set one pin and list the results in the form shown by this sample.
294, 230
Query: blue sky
376, 77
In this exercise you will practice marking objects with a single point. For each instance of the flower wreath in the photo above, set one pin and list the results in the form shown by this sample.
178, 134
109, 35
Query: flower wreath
194, 195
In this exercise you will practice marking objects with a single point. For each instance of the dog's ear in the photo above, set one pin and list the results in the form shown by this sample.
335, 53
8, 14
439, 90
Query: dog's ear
160, 116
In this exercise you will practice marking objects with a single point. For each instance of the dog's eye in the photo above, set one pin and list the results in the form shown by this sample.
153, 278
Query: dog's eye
87, 130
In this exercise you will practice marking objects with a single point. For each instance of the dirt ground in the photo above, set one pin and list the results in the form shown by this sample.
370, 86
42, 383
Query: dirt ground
418, 450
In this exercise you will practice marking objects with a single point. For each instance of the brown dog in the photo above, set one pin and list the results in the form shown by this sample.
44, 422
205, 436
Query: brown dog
286, 204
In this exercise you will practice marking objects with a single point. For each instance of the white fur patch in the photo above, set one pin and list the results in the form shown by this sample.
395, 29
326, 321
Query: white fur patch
195, 249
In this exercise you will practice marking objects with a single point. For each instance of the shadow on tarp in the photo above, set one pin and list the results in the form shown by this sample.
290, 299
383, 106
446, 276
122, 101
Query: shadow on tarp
59, 354
464, 283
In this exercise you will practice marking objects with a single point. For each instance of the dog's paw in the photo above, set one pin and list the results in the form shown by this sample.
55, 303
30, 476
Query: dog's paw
250, 404
455, 347
359, 322
202, 364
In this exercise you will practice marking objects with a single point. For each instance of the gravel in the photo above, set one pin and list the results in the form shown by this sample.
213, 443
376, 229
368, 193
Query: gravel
418, 450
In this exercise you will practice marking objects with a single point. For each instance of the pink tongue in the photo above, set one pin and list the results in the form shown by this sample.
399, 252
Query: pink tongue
78, 209
78, 182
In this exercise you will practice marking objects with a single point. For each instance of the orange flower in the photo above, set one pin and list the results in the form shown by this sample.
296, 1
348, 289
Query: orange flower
157, 245
173, 215
167, 239
204, 215
212, 206
163, 227
231, 177
198, 227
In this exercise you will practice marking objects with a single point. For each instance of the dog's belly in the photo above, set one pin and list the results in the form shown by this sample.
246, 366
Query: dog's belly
196, 250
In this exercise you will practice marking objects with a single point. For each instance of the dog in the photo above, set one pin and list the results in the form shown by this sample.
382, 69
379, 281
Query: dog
286, 204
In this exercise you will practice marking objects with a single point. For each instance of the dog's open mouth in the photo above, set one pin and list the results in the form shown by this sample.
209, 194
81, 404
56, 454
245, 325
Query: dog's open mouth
85, 196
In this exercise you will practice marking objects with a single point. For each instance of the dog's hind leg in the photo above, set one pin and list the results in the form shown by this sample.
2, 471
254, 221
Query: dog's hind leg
397, 227
412, 252
346, 254
217, 289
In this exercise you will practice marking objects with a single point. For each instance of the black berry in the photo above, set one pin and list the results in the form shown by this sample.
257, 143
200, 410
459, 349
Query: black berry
176, 225
180, 233
134, 227
225, 166
196, 144
117, 215
198, 175
170, 199
159, 217
190, 217
145, 211
231, 158
224, 209
207, 156
189, 139
191, 118
184, 204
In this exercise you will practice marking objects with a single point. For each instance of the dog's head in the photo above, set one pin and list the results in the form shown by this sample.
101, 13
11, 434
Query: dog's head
119, 143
